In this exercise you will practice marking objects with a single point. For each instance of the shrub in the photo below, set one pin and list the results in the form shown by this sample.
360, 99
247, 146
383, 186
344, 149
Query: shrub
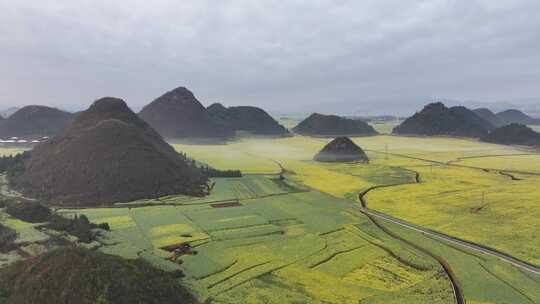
211, 172
34, 212
28, 211
7, 237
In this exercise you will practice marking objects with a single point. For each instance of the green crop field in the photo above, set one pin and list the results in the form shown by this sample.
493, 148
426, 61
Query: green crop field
276, 247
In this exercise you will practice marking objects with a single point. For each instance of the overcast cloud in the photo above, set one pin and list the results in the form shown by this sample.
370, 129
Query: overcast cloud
281, 55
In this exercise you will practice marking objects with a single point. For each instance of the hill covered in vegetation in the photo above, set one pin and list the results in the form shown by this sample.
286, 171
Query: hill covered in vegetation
490, 117
107, 155
76, 275
341, 149
177, 114
35, 121
247, 118
218, 112
331, 125
516, 116
437, 119
513, 134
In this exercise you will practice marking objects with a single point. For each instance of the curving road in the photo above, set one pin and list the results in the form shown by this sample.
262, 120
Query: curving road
501, 256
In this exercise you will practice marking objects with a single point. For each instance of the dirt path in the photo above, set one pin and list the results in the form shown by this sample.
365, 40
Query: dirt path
458, 292
456, 287
492, 155
450, 163
510, 175
441, 236
463, 243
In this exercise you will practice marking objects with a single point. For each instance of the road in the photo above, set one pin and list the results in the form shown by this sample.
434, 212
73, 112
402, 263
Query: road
501, 256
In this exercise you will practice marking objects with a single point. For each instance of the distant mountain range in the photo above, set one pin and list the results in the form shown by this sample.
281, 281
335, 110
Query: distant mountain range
35, 122
8, 111
332, 125
406, 106
438, 119
247, 118
511, 116
513, 134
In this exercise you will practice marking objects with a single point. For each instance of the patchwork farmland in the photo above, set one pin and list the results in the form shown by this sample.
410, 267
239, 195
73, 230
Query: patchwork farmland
271, 244
291, 225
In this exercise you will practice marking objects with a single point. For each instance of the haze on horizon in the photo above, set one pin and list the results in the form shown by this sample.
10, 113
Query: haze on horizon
282, 55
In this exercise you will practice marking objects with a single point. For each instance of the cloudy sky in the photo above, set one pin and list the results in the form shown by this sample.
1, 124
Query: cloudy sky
282, 55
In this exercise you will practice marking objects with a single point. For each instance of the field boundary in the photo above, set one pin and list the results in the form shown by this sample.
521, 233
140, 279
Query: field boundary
456, 287
506, 283
449, 163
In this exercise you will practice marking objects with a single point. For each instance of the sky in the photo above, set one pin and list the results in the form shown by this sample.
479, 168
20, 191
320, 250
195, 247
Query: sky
337, 56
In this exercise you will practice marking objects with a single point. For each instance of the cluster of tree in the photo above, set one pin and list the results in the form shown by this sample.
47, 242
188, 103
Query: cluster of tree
7, 237
28, 211
13, 165
209, 171
191, 162
78, 226
34, 212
